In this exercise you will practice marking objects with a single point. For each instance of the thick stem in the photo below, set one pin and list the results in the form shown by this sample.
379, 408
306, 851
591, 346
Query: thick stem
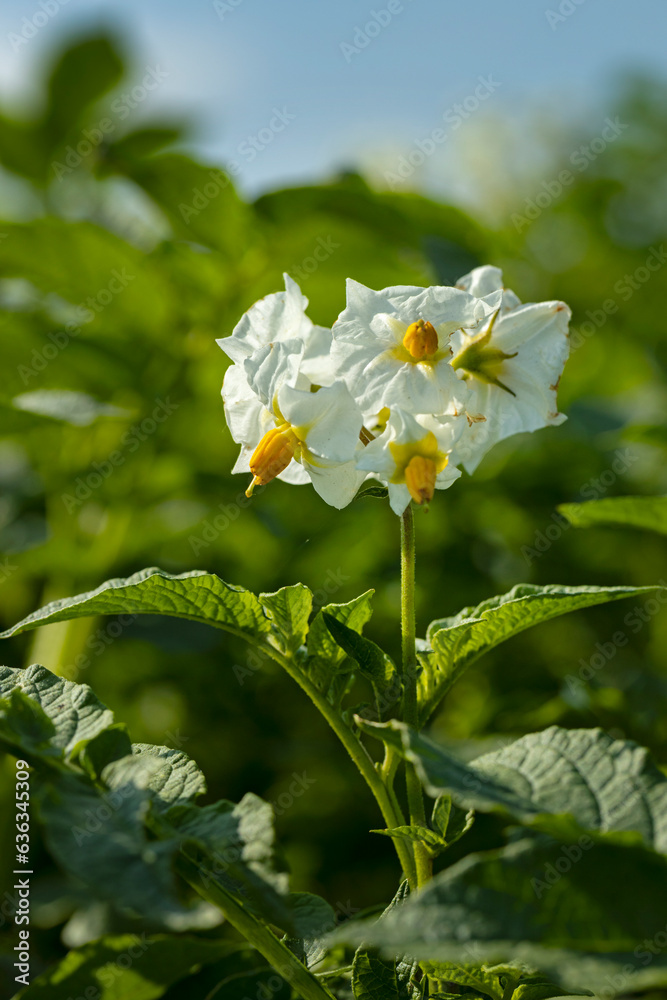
277, 954
383, 793
423, 862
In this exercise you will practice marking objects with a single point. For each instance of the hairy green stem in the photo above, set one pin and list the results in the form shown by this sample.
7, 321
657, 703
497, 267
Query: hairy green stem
383, 793
423, 862
277, 954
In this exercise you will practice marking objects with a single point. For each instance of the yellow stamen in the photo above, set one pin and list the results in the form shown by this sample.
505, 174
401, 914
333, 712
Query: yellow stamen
420, 476
420, 340
417, 465
272, 456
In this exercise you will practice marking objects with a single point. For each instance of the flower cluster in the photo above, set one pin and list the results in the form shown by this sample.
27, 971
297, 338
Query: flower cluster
408, 384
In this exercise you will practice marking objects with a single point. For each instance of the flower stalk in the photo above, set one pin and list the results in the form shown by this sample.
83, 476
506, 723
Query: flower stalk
423, 861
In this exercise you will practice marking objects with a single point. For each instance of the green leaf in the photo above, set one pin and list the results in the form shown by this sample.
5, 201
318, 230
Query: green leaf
125, 967
372, 661
199, 201
632, 512
375, 977
495, 981
118, 822
288, 611
197, 596
313, 916
71, 260
538, 988
431, 839
531, 892
23, 724
74, 715
490, 981
372, 490
94, 60
326, 660
176, 779
449, 820
109, 745
604, 784
140, 143
235, 847
99, 836
313, 919
458, 641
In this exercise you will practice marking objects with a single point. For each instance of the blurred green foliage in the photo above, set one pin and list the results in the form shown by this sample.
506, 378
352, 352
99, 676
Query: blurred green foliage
122, 258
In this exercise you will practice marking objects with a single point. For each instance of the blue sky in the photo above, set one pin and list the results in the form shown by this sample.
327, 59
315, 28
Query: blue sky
353, 95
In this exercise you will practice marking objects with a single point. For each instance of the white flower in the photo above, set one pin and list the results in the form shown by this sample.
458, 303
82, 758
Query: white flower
512, 367
413, 457
392, 347
289, 431
485, 282
278, 318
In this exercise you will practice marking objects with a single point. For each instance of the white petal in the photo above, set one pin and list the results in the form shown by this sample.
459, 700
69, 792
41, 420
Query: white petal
329, 421
337, 486
484, 281
481, 280
529, 321
448, 475
242, 463
294, 474
273, 366
277, 317
244, 412
317, 363
399, 497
